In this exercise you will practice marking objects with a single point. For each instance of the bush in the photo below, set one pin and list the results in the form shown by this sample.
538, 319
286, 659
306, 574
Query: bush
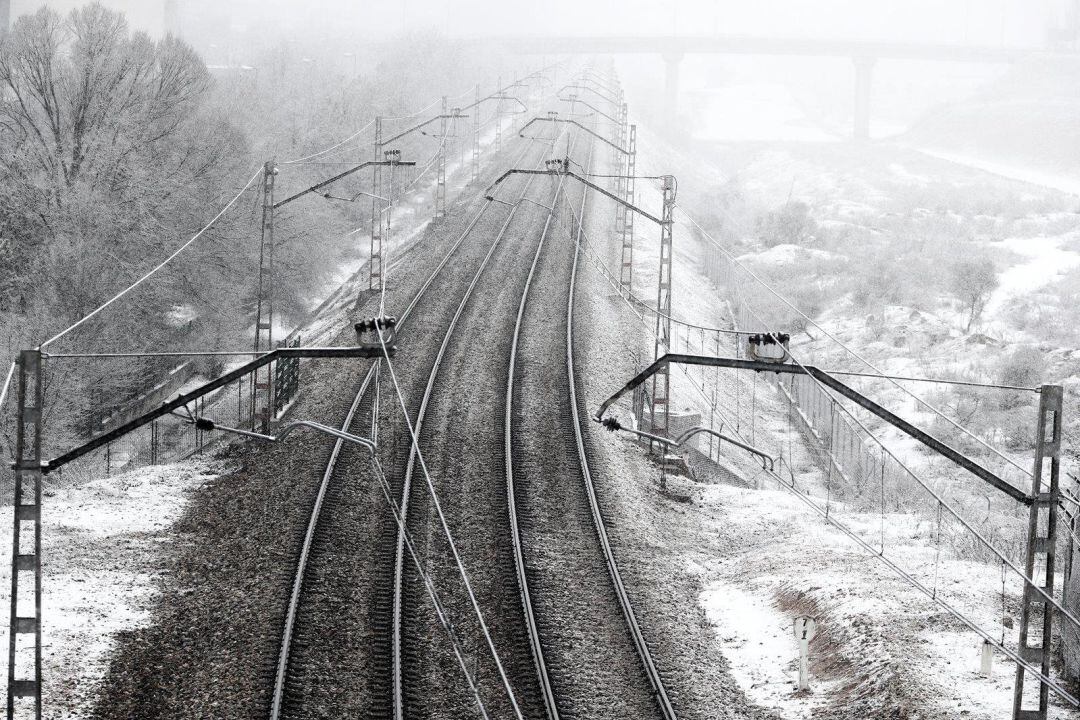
789, 224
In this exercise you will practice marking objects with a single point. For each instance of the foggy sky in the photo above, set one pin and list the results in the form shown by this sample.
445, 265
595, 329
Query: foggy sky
988, 22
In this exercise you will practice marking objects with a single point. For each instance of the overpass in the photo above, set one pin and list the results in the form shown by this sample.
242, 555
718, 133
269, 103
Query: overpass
864, 54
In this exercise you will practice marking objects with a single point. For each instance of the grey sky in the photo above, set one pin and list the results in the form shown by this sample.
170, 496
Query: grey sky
974, 21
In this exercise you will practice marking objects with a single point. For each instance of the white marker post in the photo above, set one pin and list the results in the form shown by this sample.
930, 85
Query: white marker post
987, 659
805, 630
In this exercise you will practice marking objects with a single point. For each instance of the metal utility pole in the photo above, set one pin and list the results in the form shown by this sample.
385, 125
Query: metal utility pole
375, 269
1042, 539
661, 387
440, 184
262, 393
26, 556
476, 138
620, 130
626, 225
498, 117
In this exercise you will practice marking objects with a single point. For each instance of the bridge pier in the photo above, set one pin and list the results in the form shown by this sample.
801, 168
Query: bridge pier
864, 80
671, 85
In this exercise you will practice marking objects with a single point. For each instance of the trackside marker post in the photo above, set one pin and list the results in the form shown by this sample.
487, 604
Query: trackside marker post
805, 630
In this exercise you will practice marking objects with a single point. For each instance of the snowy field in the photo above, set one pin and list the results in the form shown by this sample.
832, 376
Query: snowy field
102, 547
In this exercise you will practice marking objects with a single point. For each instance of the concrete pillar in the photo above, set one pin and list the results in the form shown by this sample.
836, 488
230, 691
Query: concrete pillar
671, 85
864, 80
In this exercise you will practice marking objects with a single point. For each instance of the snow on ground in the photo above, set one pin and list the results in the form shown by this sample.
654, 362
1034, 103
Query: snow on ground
760, 644
1069, 183
102, 539
763, 557
102, 545
1045, 262
875, 631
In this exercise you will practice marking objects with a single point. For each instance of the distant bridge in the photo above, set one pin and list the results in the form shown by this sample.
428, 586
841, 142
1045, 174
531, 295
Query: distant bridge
673, 48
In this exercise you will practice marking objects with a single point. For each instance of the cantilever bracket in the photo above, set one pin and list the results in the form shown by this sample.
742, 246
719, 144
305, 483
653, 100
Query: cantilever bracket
207, 425
339, 176
767, 461
624, 151
593, 90
568, 173
595, 109
833, 384
359, 351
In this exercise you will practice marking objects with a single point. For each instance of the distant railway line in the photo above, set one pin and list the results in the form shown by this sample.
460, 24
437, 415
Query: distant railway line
504, 450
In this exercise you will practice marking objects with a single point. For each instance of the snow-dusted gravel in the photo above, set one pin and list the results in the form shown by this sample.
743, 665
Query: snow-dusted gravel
104, 545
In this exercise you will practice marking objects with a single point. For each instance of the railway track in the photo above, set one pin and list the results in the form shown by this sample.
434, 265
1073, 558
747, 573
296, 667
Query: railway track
336, 548
462, 453
397, 658
589, 650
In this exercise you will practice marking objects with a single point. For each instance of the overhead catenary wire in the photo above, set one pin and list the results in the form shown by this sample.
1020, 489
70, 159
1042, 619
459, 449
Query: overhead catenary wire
332, 147
731, 257
632, 299
940, 499
911, 580
415, 447
93, 313
429, 586
7, 382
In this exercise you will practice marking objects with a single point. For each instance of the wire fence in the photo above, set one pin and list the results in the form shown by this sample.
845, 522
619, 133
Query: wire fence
924, 517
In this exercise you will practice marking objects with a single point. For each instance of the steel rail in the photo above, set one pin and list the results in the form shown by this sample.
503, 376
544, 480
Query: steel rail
649, 666
399, 713
284, 654
546, 688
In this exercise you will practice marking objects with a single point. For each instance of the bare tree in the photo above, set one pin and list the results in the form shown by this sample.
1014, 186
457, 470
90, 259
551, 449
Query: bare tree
972, 283
106, 154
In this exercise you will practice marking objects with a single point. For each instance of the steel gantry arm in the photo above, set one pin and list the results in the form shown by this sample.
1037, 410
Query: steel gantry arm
359, 351
832, 383
339, 176
569, 173
591, 76
624, 151
593, 90
421, 126
574, 99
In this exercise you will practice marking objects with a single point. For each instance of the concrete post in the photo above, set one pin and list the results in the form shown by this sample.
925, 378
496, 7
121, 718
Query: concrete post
375, 267
864, 80
671, 85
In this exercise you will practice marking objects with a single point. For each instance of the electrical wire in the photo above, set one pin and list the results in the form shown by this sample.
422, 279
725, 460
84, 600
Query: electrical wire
971, 625
331, 148
429, 585
7, 382
160, 265
850, 351
415, 447
943, 503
